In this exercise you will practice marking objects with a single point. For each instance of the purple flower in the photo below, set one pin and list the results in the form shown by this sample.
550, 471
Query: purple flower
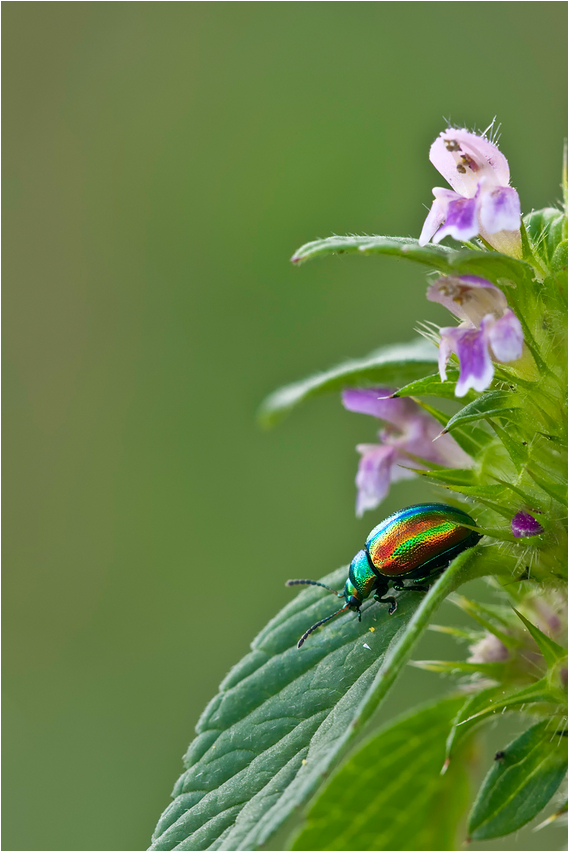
481, 201
524, 524
408, 429
489, 331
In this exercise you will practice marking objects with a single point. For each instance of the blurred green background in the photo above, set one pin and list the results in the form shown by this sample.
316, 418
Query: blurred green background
161, 163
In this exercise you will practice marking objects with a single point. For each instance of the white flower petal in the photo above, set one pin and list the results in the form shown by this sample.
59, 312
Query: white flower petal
506, 337
499, 209
463, 159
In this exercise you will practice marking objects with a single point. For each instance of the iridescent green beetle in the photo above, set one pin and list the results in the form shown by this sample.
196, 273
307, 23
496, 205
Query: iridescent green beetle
416, 544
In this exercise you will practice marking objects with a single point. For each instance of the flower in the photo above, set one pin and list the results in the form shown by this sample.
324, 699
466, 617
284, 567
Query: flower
481, 201
488, 328
524, 524
408, 429
490, 649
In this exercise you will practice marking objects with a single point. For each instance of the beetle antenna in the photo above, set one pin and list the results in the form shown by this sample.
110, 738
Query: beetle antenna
312, 583
318, 624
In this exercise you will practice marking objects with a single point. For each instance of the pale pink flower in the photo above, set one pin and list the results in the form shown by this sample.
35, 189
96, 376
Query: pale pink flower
408, 429
489, 331
481, 202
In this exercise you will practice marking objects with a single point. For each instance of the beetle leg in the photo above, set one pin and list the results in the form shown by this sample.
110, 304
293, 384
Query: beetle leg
391, 601
399, 587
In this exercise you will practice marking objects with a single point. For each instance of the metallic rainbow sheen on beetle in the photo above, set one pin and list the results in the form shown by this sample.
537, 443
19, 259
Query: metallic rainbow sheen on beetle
415, 544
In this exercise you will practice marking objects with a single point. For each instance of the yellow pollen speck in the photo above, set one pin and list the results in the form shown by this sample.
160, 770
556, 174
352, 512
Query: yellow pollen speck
372, 630
304, 761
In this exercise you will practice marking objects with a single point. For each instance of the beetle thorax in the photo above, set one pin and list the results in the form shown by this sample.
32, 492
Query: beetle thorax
361, 579
351, 592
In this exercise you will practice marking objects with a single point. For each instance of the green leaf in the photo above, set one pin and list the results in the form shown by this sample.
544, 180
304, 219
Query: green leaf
528, 497
489, 264
520, 783
433, 386
538, 692
390, 794
469, 636
492, 404
513, 443
489, 670
391, 366
487, 618
493, 532
464, 481
481, 493
279, 707
552, 652
485, 614
452, 476
430, 255
254, 735
528, 252
476, 492
470, 437
559, 259
556, 489
546, 229
484, 705
466, 719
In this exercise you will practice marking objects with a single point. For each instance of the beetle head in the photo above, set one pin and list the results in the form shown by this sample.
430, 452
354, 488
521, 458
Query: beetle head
352, 596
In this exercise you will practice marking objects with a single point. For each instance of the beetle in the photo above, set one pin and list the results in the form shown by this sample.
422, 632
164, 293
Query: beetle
416, 544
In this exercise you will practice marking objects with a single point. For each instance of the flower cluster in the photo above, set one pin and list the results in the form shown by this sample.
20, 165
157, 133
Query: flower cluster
483, 204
